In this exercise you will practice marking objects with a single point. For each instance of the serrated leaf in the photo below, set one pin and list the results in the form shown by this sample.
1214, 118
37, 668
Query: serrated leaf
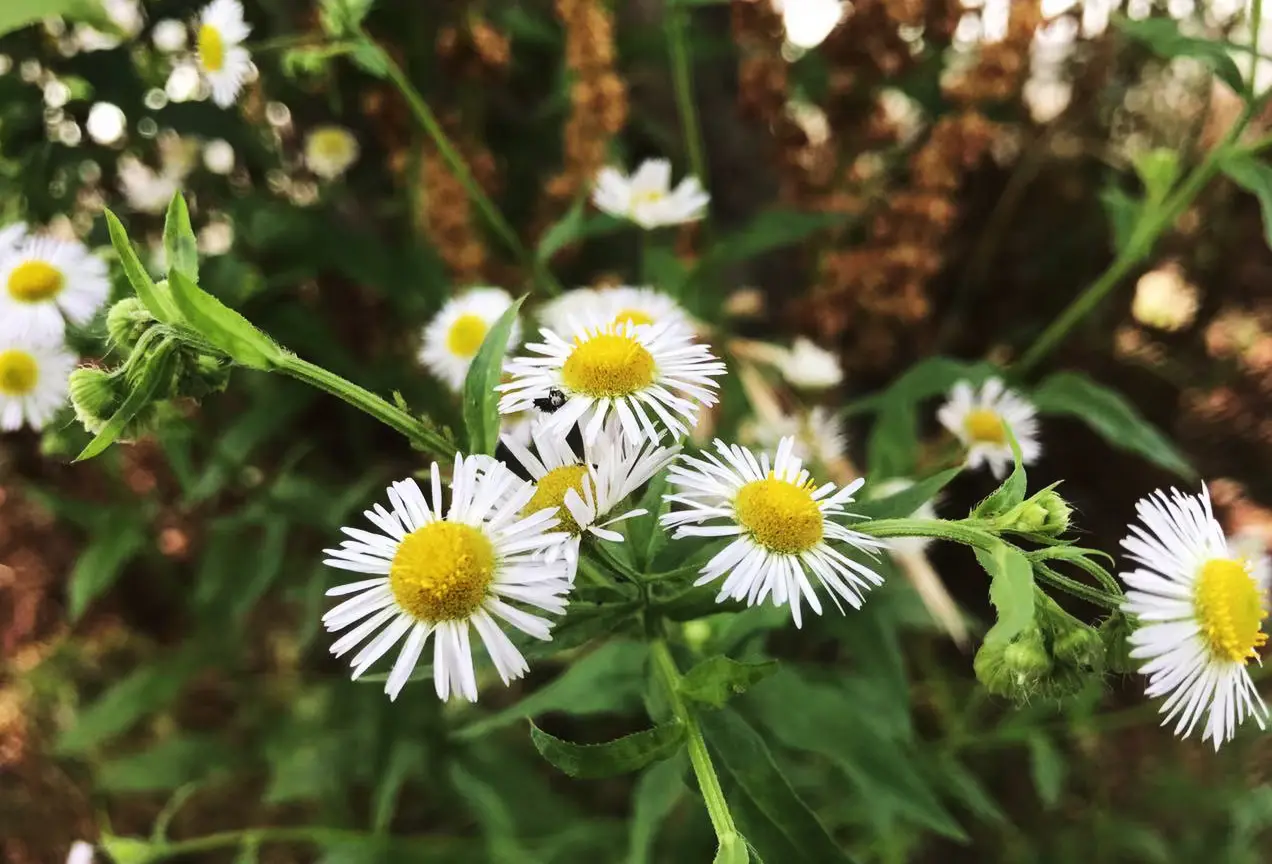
221, 326
1011, 590
1163, 37
1047, 767
158, 301
577, 224
1255, 177
1111, 416
750, 774
179, 243
481, 400
903, 504
113, 544
718, 679
620, 756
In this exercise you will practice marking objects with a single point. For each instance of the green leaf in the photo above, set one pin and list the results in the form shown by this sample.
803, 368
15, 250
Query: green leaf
370, 59
620, 756
179, 243
1011, 590
575, 225
130, 850
1111, 416
113, 544
753, 778
19, 13
157, 372
481, 401
165, 766
1158, 170
771, 229
903, 504
157, 300
221, 326
1162, 36
965, 788
718, 679
145, 690
1124, 214
1012, 490
732, 850
656, 793
1047, 766
1255, 177
606, 680
644, 534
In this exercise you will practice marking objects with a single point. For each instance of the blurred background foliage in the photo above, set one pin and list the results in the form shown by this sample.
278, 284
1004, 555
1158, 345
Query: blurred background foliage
937, 180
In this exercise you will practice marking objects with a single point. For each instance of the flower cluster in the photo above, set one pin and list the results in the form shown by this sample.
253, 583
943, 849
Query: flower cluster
45, 284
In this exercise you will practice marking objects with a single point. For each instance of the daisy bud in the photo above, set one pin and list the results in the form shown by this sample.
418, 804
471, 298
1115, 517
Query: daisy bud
1115, 633
126, 321
1015, 670
1045, 513
96, 395
1080, 647
200, 374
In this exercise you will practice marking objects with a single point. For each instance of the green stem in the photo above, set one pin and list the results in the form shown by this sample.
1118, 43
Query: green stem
682, 81
1142, 241
364, 400
1076, 588
455, 162
1256, 22
958, 532
235, 839
708, 782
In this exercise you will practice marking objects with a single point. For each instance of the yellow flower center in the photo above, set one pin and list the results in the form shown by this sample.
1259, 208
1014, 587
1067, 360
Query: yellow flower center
641, 197
211, 48
18, 372
985, 427
779, 515
550, 491
331, 143
608, 365
635, 316
1230, 610
35, 282
466, 335
442, 571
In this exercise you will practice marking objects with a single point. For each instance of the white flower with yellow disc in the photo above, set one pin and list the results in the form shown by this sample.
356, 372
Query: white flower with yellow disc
452, 338
652, 377
785, 526
1200, 610
588, 488
224, 62
646, 197
638, 304
43, 279
980, 418
446, 575
330, 150
33, 379
817, 433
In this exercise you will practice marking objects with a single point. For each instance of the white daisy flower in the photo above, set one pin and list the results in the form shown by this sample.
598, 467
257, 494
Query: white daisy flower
11, 236
640, 305
809, 22
146, 190
810, 367
588, 488
646, 197
633, 370
44, 279
438, 575
224, 62
330, 150
784, 524
34, 368
453, 337
977, 420
817, 434
1200, 611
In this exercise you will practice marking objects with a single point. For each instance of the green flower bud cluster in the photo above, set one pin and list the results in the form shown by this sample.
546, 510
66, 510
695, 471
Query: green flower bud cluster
1046, 514
1053, 659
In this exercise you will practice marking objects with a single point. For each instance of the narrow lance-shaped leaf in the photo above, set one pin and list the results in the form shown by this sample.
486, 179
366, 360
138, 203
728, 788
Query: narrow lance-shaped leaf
221, 326
620, 756
1012, 490
904, 503
158, 369
156, 300
179, 243
481, 400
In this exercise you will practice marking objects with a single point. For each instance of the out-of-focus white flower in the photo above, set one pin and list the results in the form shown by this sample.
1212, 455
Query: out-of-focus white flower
809, 22
125, 15
225, 63
169, 36
639, 305
43, 279
330, 150
816, 433
106, 122
146, 190
646, 197
218, 156
1164, 299
810, 367
81, 853
34, 368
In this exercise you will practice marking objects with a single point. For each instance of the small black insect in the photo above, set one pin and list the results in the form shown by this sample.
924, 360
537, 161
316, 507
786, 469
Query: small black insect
551, 403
